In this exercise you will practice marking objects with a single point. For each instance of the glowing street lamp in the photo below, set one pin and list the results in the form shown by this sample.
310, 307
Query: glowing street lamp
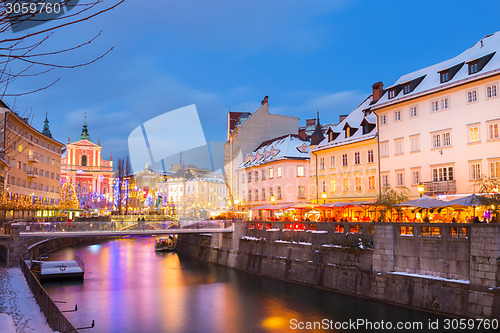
273, 199
323, 195
421, 189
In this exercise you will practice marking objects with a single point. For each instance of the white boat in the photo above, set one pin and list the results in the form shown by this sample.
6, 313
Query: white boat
165, 244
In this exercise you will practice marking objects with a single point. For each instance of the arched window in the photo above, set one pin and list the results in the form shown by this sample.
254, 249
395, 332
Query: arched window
84, 160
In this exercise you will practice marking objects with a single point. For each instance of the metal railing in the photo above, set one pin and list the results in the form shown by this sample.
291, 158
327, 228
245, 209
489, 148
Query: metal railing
443, 186
56, 320
125, 226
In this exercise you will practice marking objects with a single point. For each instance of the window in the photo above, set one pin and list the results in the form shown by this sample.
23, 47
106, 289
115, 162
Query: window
256, 175
475, 171
441, 140
392, 93
47, 174
397, 115
440, 104
358, 183
249, 195
24, 167
406, 89
333, 186
323, 186
415, 177
332, 161
278, 172
263, 191
271, 192
415, 143
242, 177
491, 91
399, 178
301, 192
474, 134
446, 139
84, 160
384, 149
493, 131
385, 181
442, 173
345, 184
279, 192
436, 141
344, 160
383, 119
357, 158
473, 67
495, 169
271, 173
399, 146
445, 77
322, 163
371, 158
371, 182
472, 96
263, 174
256, 195
249, 176
52, 175
300, 171
413, 111
19, 165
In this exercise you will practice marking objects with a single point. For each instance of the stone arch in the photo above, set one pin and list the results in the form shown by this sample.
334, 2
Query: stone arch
4, 255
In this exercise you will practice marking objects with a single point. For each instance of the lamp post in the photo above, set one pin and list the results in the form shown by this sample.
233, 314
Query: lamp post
421, 189
323, 196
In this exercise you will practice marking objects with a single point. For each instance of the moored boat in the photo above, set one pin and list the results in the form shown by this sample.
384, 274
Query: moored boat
165, 244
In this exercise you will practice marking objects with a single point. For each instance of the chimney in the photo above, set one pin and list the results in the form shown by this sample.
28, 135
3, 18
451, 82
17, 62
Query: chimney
342, 117
378, 91
265, 100
311, 122
302, 134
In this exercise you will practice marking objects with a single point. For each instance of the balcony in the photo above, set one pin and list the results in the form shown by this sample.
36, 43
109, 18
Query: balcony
32, 174
440, 187
33, 158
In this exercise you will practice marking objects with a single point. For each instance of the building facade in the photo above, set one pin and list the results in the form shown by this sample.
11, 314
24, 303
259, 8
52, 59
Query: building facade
33, 160
245, 133
440, 126
90, 174
344, 164
275, 173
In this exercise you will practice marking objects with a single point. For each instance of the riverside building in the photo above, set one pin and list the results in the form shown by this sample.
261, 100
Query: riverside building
439, 127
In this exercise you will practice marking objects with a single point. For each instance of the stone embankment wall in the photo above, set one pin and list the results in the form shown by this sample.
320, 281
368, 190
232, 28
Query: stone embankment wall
451, 269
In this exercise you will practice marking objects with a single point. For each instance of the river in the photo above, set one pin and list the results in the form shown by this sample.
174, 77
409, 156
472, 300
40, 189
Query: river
130, 288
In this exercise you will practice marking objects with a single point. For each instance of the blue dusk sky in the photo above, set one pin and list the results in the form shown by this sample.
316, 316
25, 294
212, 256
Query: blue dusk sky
220, 54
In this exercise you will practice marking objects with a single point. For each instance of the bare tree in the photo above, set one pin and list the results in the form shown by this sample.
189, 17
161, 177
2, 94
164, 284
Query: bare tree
22, 54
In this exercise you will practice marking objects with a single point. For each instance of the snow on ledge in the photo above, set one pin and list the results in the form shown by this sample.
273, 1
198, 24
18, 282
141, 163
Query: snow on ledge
282, 241
432, 277
273, 229
250, 238
317, 231
331, 245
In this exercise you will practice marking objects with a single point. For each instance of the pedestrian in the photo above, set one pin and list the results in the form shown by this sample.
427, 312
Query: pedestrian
476, 220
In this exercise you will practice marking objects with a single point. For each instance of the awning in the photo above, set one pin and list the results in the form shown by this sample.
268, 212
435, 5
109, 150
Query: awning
424, 202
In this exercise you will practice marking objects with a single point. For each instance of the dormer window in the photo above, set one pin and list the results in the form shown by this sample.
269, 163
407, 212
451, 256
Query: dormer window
392, 93
406, 89
330, 136
445, 77
474, 67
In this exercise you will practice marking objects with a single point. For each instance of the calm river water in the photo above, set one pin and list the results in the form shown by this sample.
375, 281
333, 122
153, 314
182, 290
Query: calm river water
130, 288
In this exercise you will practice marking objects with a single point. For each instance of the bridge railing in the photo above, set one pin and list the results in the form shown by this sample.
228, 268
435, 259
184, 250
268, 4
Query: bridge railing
123, 226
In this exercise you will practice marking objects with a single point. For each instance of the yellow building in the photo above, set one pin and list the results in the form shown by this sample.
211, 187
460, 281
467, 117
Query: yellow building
34, 160
344, 162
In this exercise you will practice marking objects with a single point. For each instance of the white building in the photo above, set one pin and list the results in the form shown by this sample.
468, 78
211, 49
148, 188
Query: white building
440, 126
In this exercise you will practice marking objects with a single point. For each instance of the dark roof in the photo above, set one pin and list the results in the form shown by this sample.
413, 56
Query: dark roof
317, 135
234, 118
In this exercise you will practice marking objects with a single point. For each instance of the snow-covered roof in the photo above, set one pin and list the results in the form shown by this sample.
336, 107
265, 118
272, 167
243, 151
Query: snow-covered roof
355, 120
486, 51
289, 146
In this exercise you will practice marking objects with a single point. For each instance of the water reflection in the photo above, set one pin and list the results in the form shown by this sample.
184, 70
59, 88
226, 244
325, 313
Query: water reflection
128, 287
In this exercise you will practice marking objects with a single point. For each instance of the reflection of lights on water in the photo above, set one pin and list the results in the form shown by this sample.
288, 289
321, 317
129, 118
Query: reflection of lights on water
94, 248
274, 323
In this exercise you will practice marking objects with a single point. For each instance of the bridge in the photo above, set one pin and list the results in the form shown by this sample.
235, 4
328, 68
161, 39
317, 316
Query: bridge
121, 228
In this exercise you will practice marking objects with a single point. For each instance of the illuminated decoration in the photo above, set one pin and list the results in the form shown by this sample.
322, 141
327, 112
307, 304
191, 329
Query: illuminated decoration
149, 200
69, 200
116, 191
